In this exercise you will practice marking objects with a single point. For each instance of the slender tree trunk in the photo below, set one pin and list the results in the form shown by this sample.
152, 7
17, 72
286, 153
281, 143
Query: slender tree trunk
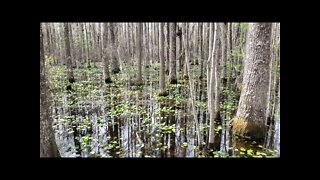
72, 47
139, 49
68, 53
200, 51
48, 146
167, 49
211, 85
251, 114
191, 85
107, 78
115, 62
223, 27
162, 59
173, 70
217, 76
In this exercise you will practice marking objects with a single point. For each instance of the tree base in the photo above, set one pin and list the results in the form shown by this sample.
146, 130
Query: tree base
248, 129
108, 81
136, 83
163, 93
173, 81
71, 80
116, 70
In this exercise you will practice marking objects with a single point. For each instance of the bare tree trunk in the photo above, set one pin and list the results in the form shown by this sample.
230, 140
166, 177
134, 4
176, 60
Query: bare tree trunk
191, 85
48, 146
181, 51
72, 47
167, 49
139, 49
217, 76
162, 59
173, 71
200, 57
115, 62
68, 53
211, 85
223, 27
107, 78
251, 114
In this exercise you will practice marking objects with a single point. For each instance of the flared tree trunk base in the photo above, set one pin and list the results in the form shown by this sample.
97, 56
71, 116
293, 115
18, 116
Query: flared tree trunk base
248, 129
173, 81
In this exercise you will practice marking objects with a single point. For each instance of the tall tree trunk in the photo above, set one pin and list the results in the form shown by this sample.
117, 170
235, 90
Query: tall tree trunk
106, 72
173, 71
115, 62
139, 49
223, 27
68, 53
200, 57
167, 48
72, 47
191, 84
217, 76
48, 146
251, 114
181, 52
162, 59
211, 85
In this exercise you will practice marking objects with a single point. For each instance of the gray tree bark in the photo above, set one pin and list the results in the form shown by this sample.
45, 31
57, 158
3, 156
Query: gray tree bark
139, 49
68, 53
115, 62
106, 71
162, 59
172, 69
251, 113
48, 146
213, 51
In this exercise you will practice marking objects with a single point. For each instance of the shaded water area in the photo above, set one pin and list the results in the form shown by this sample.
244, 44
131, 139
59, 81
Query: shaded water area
120, 120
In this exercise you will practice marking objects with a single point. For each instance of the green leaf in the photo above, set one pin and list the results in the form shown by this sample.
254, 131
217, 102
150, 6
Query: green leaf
86, 139
242, 149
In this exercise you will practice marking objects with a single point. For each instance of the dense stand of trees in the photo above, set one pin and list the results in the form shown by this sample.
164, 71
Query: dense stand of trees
232, 57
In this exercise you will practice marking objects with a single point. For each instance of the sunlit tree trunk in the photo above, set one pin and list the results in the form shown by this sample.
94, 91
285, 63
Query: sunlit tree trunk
48, 146
251, 113
211, 83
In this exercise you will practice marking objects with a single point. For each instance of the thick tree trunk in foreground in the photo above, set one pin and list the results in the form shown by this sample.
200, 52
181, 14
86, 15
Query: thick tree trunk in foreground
48, 146
249, 120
